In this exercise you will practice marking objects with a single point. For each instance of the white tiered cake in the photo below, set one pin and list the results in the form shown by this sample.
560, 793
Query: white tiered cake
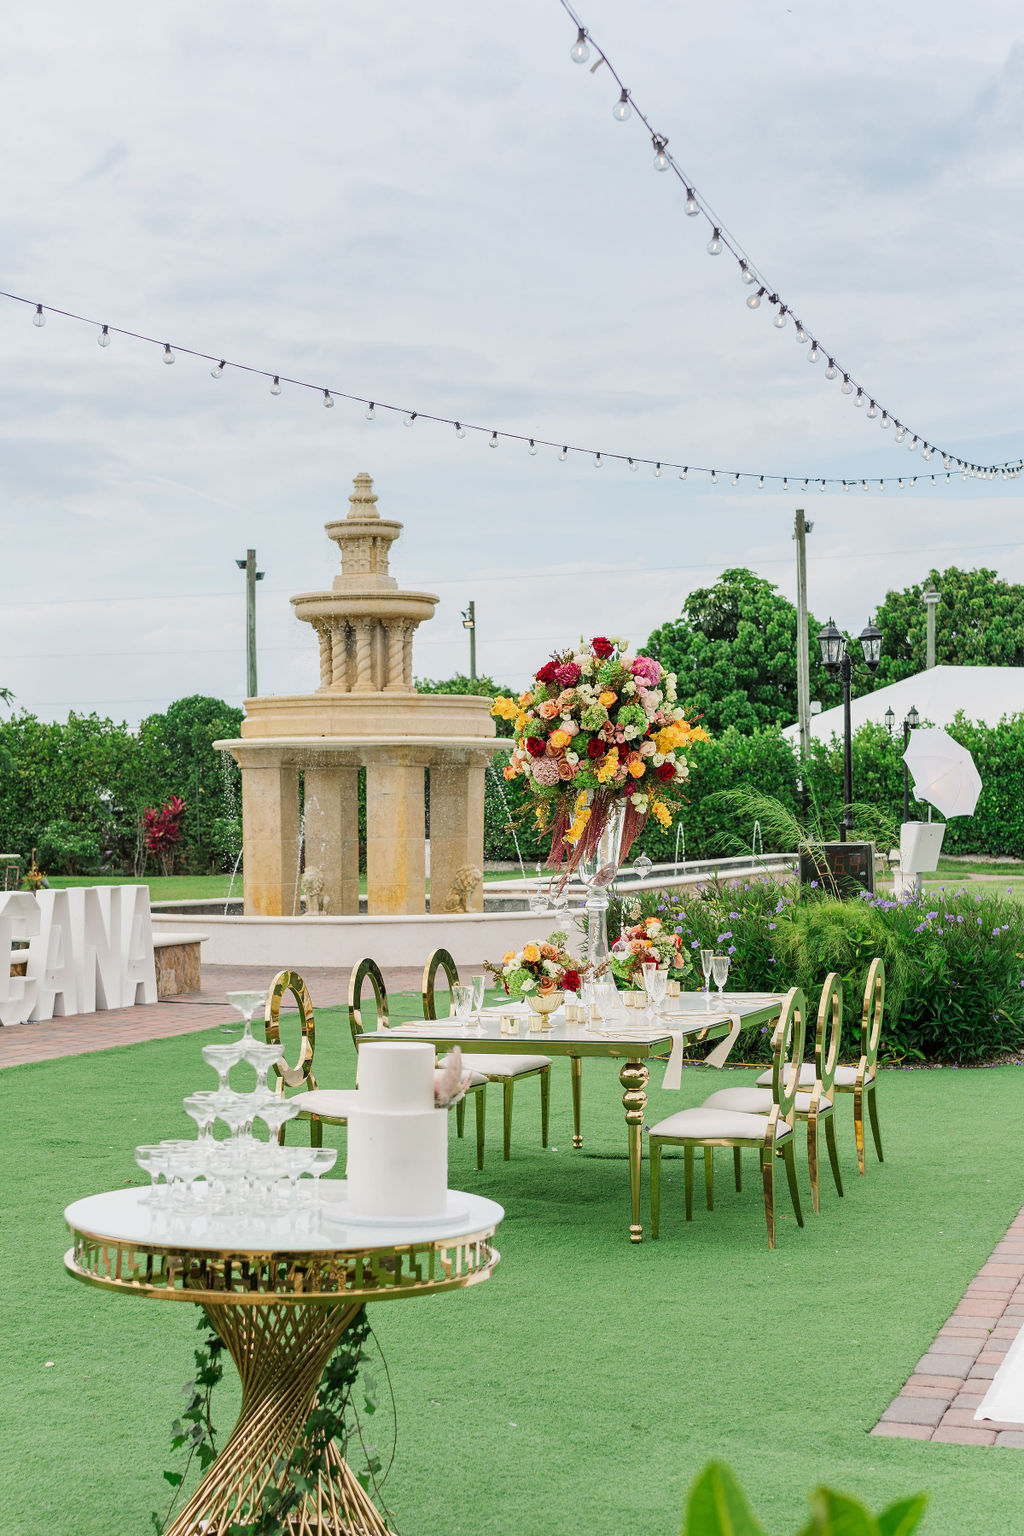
397, 1141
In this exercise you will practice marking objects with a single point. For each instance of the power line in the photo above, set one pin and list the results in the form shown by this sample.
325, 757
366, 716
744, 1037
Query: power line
496, 435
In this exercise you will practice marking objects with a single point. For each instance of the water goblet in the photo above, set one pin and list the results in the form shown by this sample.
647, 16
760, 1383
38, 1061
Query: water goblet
462, 1001
706, 958
246, 1004
222, 1057
720, 968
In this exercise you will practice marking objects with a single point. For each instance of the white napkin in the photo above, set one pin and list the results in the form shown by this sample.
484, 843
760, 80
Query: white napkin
430, 1026
715, 1058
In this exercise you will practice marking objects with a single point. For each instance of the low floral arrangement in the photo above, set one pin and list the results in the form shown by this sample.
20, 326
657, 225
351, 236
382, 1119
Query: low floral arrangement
539, 969
600, 725
646, 941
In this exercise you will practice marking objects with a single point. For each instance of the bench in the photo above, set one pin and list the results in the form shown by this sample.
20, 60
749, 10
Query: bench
177, 961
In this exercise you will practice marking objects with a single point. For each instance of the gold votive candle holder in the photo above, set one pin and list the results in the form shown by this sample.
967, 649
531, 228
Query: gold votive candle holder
672, 988
510, 1024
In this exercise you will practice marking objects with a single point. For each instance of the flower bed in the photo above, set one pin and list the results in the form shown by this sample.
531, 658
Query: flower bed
953, 959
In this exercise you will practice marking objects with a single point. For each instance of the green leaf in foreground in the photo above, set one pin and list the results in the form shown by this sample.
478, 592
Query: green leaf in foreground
717, 1506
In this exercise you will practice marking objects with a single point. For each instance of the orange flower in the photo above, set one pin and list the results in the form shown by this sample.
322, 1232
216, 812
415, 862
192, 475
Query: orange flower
510, 770
546, 985
531, 952
549, 709
560, 738
636, 765
565, 770
607, 698
508, 957
548, 951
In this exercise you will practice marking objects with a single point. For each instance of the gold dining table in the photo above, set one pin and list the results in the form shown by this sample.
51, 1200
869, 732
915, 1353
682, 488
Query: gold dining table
628, 1035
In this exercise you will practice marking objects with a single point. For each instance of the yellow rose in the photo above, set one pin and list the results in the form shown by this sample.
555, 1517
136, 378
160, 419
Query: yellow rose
560, 739
637, 768
606, 698
531, 952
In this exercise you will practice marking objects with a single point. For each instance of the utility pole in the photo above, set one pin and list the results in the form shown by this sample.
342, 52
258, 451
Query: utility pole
469, 622
932, 598
252, 576
803, 664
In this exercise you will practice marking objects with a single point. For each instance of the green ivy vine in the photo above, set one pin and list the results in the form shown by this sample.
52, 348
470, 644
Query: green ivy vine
334, 1418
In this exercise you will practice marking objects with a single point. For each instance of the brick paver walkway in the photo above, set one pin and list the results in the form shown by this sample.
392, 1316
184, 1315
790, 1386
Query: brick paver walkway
949, 1382
328, 988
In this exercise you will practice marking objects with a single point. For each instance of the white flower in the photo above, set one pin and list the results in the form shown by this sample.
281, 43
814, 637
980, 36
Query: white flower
568, 724
652, 699
572, 758
682, 771
627, 658
528, 984
631, 731
649, 750
657, 758
679, 714
551, 966
629, 687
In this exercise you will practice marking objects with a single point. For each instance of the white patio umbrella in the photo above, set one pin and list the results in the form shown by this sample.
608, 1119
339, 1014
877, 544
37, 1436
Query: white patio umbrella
943, 772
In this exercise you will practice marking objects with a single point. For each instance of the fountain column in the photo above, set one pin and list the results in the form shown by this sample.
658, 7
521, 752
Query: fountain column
396, 873
270, 835
332, 834
456, 822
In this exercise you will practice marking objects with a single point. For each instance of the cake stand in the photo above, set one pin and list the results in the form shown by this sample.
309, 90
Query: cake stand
281, 1292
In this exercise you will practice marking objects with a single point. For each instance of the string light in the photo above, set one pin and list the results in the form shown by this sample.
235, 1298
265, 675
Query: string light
1006, 471
103, 339
39, 318
736, 479
813, 354
831, 372
746, 275
754, 299
780, 318
846, 387
623, 109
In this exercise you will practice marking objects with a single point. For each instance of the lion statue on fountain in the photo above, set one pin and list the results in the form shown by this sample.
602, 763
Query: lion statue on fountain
317, 904
461, 891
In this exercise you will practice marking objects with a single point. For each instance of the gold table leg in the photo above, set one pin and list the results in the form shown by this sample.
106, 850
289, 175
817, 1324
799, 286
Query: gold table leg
576, 1069
633, 1077
280, 1352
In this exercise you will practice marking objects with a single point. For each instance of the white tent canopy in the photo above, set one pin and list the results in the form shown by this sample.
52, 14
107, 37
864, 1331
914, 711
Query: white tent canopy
984, 694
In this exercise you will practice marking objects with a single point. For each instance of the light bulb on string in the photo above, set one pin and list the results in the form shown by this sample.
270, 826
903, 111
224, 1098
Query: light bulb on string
821, 485
801, 334
275, 388
845, 486
813, 354
632, 464
926, 452
864, 485
597, 461
780, 318
217, 370
563, 455
760, 483
872, 411
746, 274
328, 400
901, 482
657, 471
912, 445
859, 400
39, 318
460, 430
493, 440
948, 479
736, 478
754, 299
831, 372
785, 483
715, 245
580, 51
533, 447
370, 413
692, 205
103, 339
805, 485
886, 423
847, 387
661, 159
682, 473
901, 434
168, 354
946, 462
934, 481
408, 421
622, 108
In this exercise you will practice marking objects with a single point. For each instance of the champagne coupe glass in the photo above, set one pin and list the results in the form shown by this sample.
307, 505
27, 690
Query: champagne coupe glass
462, 1001
275, 1112
236, 1110
706, 958
262, 1057
322, 1160
151, 1160
657, 983
720, 968
247, 1004
202, 1108
222, 1057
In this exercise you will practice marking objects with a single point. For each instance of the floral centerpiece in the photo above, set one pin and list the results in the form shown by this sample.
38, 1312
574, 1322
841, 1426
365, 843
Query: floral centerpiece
538, 969
648, 940
600, 726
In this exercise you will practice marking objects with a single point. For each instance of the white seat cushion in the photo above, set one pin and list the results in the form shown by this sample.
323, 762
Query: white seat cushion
845, 1077
504, 1066
756, 1101
705, 1123
333, 1102
476, 1079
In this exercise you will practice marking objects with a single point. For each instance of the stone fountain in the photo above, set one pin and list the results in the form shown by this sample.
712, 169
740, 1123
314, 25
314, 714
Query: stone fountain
366, 714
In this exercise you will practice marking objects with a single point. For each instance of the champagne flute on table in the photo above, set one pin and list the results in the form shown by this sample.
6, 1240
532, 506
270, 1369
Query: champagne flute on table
706, 960
720, 970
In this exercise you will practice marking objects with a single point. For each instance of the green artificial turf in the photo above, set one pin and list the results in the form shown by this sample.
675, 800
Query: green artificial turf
584, 1385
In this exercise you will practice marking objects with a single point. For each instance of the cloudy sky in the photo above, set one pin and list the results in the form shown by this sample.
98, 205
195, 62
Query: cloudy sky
433, 206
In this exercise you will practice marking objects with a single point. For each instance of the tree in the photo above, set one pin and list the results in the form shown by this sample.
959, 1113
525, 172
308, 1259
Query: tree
207, 780
733, 650
460, 683
979, 622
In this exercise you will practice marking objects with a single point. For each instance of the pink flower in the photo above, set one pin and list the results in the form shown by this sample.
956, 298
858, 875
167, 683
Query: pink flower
545, 771
569, 674
647, 670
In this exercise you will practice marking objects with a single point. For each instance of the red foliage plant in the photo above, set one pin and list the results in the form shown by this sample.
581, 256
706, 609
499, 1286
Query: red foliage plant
163, 829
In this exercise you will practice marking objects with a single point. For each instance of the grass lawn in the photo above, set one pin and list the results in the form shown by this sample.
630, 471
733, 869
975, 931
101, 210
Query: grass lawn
196, 887
583, 1386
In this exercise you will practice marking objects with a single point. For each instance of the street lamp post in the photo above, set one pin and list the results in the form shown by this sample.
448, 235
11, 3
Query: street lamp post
912, 721
469, 622
838, 663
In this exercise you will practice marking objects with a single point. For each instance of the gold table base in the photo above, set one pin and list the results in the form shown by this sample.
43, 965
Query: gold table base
280, 1353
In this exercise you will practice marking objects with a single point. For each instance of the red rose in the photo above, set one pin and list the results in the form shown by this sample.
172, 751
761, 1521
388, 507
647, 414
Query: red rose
595, 747
547, 672
666, 771
568, 674
571, 981
535, 746
602, 648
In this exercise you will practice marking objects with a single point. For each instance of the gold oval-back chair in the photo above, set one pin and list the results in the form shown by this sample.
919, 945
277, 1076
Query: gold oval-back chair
493, 1069
320, 1106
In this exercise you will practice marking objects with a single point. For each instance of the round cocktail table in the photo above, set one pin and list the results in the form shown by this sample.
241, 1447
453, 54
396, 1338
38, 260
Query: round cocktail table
280, 1291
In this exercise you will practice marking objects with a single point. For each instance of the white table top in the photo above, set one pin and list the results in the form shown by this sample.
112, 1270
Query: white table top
124, 1216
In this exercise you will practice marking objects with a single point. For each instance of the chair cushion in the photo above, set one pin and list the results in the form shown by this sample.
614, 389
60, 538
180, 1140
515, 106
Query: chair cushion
332, 1103
756, 1101
476, 1079
504, 1066
702, 1123
845, 1077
